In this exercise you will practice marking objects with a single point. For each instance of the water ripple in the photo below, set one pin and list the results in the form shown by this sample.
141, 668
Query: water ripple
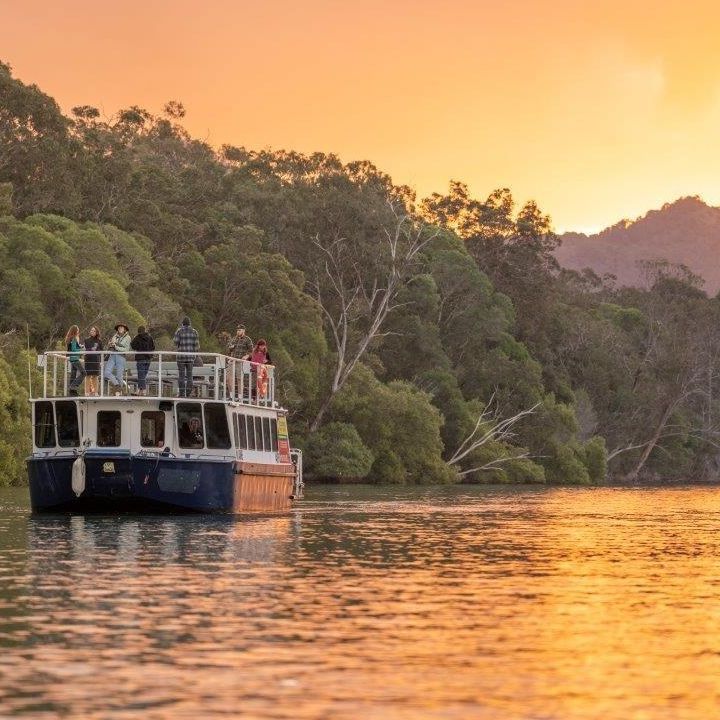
401, 603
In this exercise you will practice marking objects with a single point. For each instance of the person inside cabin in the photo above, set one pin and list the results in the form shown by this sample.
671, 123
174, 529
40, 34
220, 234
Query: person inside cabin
93, 344
191, 433
187, 342
143, 345
115, 366
260, 357
77, 369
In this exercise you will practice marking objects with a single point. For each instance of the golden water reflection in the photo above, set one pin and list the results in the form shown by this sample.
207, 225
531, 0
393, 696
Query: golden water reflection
449, 603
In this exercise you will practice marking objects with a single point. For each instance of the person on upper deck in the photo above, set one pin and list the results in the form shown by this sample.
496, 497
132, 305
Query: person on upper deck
74, 348
260, 357
186, 340
93, 344
115, 366
142, 343
260, 354
240, 346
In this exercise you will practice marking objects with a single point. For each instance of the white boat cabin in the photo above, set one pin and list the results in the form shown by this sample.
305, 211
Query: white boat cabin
229, 413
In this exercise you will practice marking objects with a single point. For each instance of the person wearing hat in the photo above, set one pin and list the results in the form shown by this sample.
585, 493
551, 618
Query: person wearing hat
241, 345
119, 345
187, 342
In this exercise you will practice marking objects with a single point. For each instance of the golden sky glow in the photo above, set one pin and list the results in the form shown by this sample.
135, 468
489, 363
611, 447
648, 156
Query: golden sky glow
598, 111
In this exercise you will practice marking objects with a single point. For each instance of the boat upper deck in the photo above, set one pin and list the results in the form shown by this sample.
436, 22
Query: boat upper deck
208, 376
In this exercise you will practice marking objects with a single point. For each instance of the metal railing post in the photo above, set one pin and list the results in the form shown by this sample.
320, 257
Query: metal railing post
101, 379
216, 360
160, 380
54, 375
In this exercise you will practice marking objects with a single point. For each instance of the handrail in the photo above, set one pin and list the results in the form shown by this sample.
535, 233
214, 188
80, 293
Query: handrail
212, 376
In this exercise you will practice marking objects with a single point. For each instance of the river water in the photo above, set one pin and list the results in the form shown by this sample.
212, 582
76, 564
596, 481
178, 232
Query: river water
369, 603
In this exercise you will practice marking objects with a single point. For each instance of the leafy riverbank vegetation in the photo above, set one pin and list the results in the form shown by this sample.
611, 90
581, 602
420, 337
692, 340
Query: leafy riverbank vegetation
417, 340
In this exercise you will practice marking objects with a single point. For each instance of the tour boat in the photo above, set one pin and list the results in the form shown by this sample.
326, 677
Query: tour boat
221, 445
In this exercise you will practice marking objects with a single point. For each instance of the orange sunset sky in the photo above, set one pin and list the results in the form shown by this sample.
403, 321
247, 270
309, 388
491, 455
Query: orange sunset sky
598, 111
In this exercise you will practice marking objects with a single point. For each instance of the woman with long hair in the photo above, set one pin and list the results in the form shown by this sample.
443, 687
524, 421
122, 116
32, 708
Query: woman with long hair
260, 358
74, 348
93, 343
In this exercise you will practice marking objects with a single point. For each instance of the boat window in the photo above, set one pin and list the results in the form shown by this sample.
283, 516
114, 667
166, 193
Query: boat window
109, 428
44, 425
68, 431
266, 433
216, 426
189, 419
236, 434
251, 431
152, 429
258, 434
273, 435
243, 424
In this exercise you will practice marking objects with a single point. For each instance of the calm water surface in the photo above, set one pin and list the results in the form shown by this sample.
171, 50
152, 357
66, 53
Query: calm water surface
369, 603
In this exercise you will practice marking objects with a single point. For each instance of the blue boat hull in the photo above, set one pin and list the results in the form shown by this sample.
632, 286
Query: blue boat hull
121, 482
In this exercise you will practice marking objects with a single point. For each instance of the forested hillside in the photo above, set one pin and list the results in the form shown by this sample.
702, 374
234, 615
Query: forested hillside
686, 231
417, 340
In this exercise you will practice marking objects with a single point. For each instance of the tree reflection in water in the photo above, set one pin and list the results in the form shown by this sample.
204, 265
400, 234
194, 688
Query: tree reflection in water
450, 602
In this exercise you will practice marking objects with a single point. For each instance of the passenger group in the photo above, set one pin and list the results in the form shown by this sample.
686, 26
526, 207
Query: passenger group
85, 357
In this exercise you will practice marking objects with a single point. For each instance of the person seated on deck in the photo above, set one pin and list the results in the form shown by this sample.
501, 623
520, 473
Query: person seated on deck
191, 433
116, 361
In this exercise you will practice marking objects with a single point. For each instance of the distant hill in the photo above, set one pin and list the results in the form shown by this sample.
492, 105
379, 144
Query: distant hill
686, 231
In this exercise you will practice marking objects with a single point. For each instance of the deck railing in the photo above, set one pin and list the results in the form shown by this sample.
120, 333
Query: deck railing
214, 376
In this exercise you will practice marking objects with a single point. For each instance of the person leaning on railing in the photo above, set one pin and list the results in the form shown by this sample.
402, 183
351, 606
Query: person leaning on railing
115, 366
186, 340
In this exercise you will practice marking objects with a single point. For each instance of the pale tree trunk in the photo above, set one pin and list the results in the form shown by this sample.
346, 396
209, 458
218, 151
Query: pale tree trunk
341, 292
650, 445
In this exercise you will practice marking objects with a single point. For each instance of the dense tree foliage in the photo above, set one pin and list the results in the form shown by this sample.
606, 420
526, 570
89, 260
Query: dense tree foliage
432, 341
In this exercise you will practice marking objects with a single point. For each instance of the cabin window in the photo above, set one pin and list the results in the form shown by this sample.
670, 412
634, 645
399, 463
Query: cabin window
68, 431
243, 427
273, 435
266, 434
152, 429
44, 425
109, 428
216, 426
258, 434
190, 426
250, 431
236, 434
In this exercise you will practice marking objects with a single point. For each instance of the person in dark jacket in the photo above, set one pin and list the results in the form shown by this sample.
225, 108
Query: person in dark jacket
92, 343
142, 343
187, 342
